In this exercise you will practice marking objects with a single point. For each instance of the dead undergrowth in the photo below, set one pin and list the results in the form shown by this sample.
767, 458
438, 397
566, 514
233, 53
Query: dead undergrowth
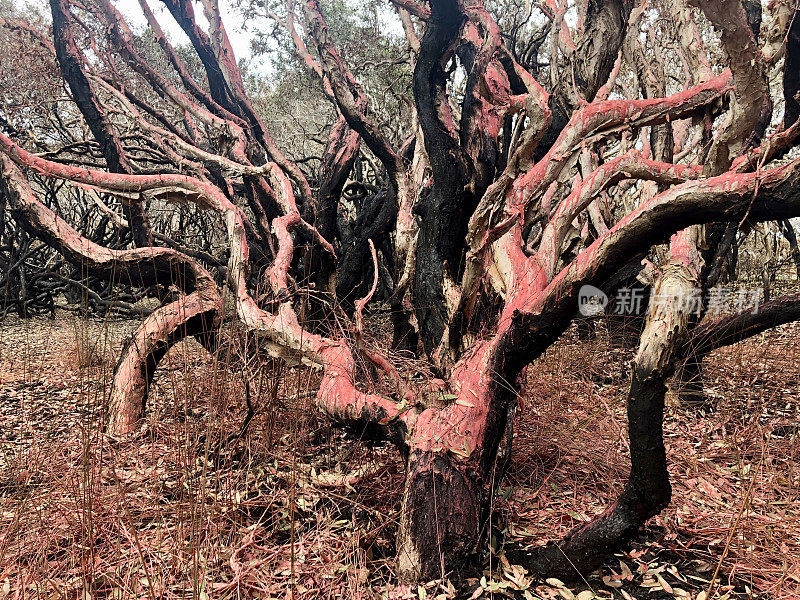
292, 509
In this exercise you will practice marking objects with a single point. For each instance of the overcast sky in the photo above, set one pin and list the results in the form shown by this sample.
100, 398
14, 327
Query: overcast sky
234, 25
231, 17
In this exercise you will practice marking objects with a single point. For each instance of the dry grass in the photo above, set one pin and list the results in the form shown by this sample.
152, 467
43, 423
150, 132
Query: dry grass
572, 457
167, 516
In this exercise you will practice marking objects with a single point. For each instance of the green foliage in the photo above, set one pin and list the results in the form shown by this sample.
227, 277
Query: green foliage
369, 38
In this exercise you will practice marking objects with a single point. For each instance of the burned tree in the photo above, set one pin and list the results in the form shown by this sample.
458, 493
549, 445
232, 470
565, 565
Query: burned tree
537, 157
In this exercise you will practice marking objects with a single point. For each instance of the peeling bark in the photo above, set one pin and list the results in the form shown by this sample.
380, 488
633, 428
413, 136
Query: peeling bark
791, 72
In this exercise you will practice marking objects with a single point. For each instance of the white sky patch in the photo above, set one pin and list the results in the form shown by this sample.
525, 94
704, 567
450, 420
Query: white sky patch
240, 35
130, 9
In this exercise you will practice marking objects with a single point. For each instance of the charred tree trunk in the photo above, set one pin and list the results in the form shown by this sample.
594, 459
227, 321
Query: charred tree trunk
648, 490
440, 517
443, 211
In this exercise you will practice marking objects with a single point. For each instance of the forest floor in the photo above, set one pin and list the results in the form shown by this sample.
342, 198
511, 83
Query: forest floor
292, 510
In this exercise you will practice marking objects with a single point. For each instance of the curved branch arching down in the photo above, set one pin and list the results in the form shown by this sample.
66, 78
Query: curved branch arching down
196, 313
285, 337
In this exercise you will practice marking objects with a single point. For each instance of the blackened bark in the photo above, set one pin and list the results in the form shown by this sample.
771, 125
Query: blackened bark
720, 251
646, 493
752, 12
69, 60
229, 91
439, 517
444, 211
714, 334
404, 336
477, 125
787, 229
337, 165
374, 222
189, 83
710, 335
690, 383
183, 12
72, 69
447, 498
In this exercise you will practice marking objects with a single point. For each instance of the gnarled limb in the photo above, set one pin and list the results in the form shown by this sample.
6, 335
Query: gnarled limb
713, 334
444, 208
70, 61
225, 82
197, 312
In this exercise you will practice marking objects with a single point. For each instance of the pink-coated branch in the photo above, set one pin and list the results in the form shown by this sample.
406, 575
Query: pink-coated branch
604, 116
631, 165
197, 312
725, 197
301, 50
285, 337
16, 25
377, 359
518, 191
349, 94
362, 302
